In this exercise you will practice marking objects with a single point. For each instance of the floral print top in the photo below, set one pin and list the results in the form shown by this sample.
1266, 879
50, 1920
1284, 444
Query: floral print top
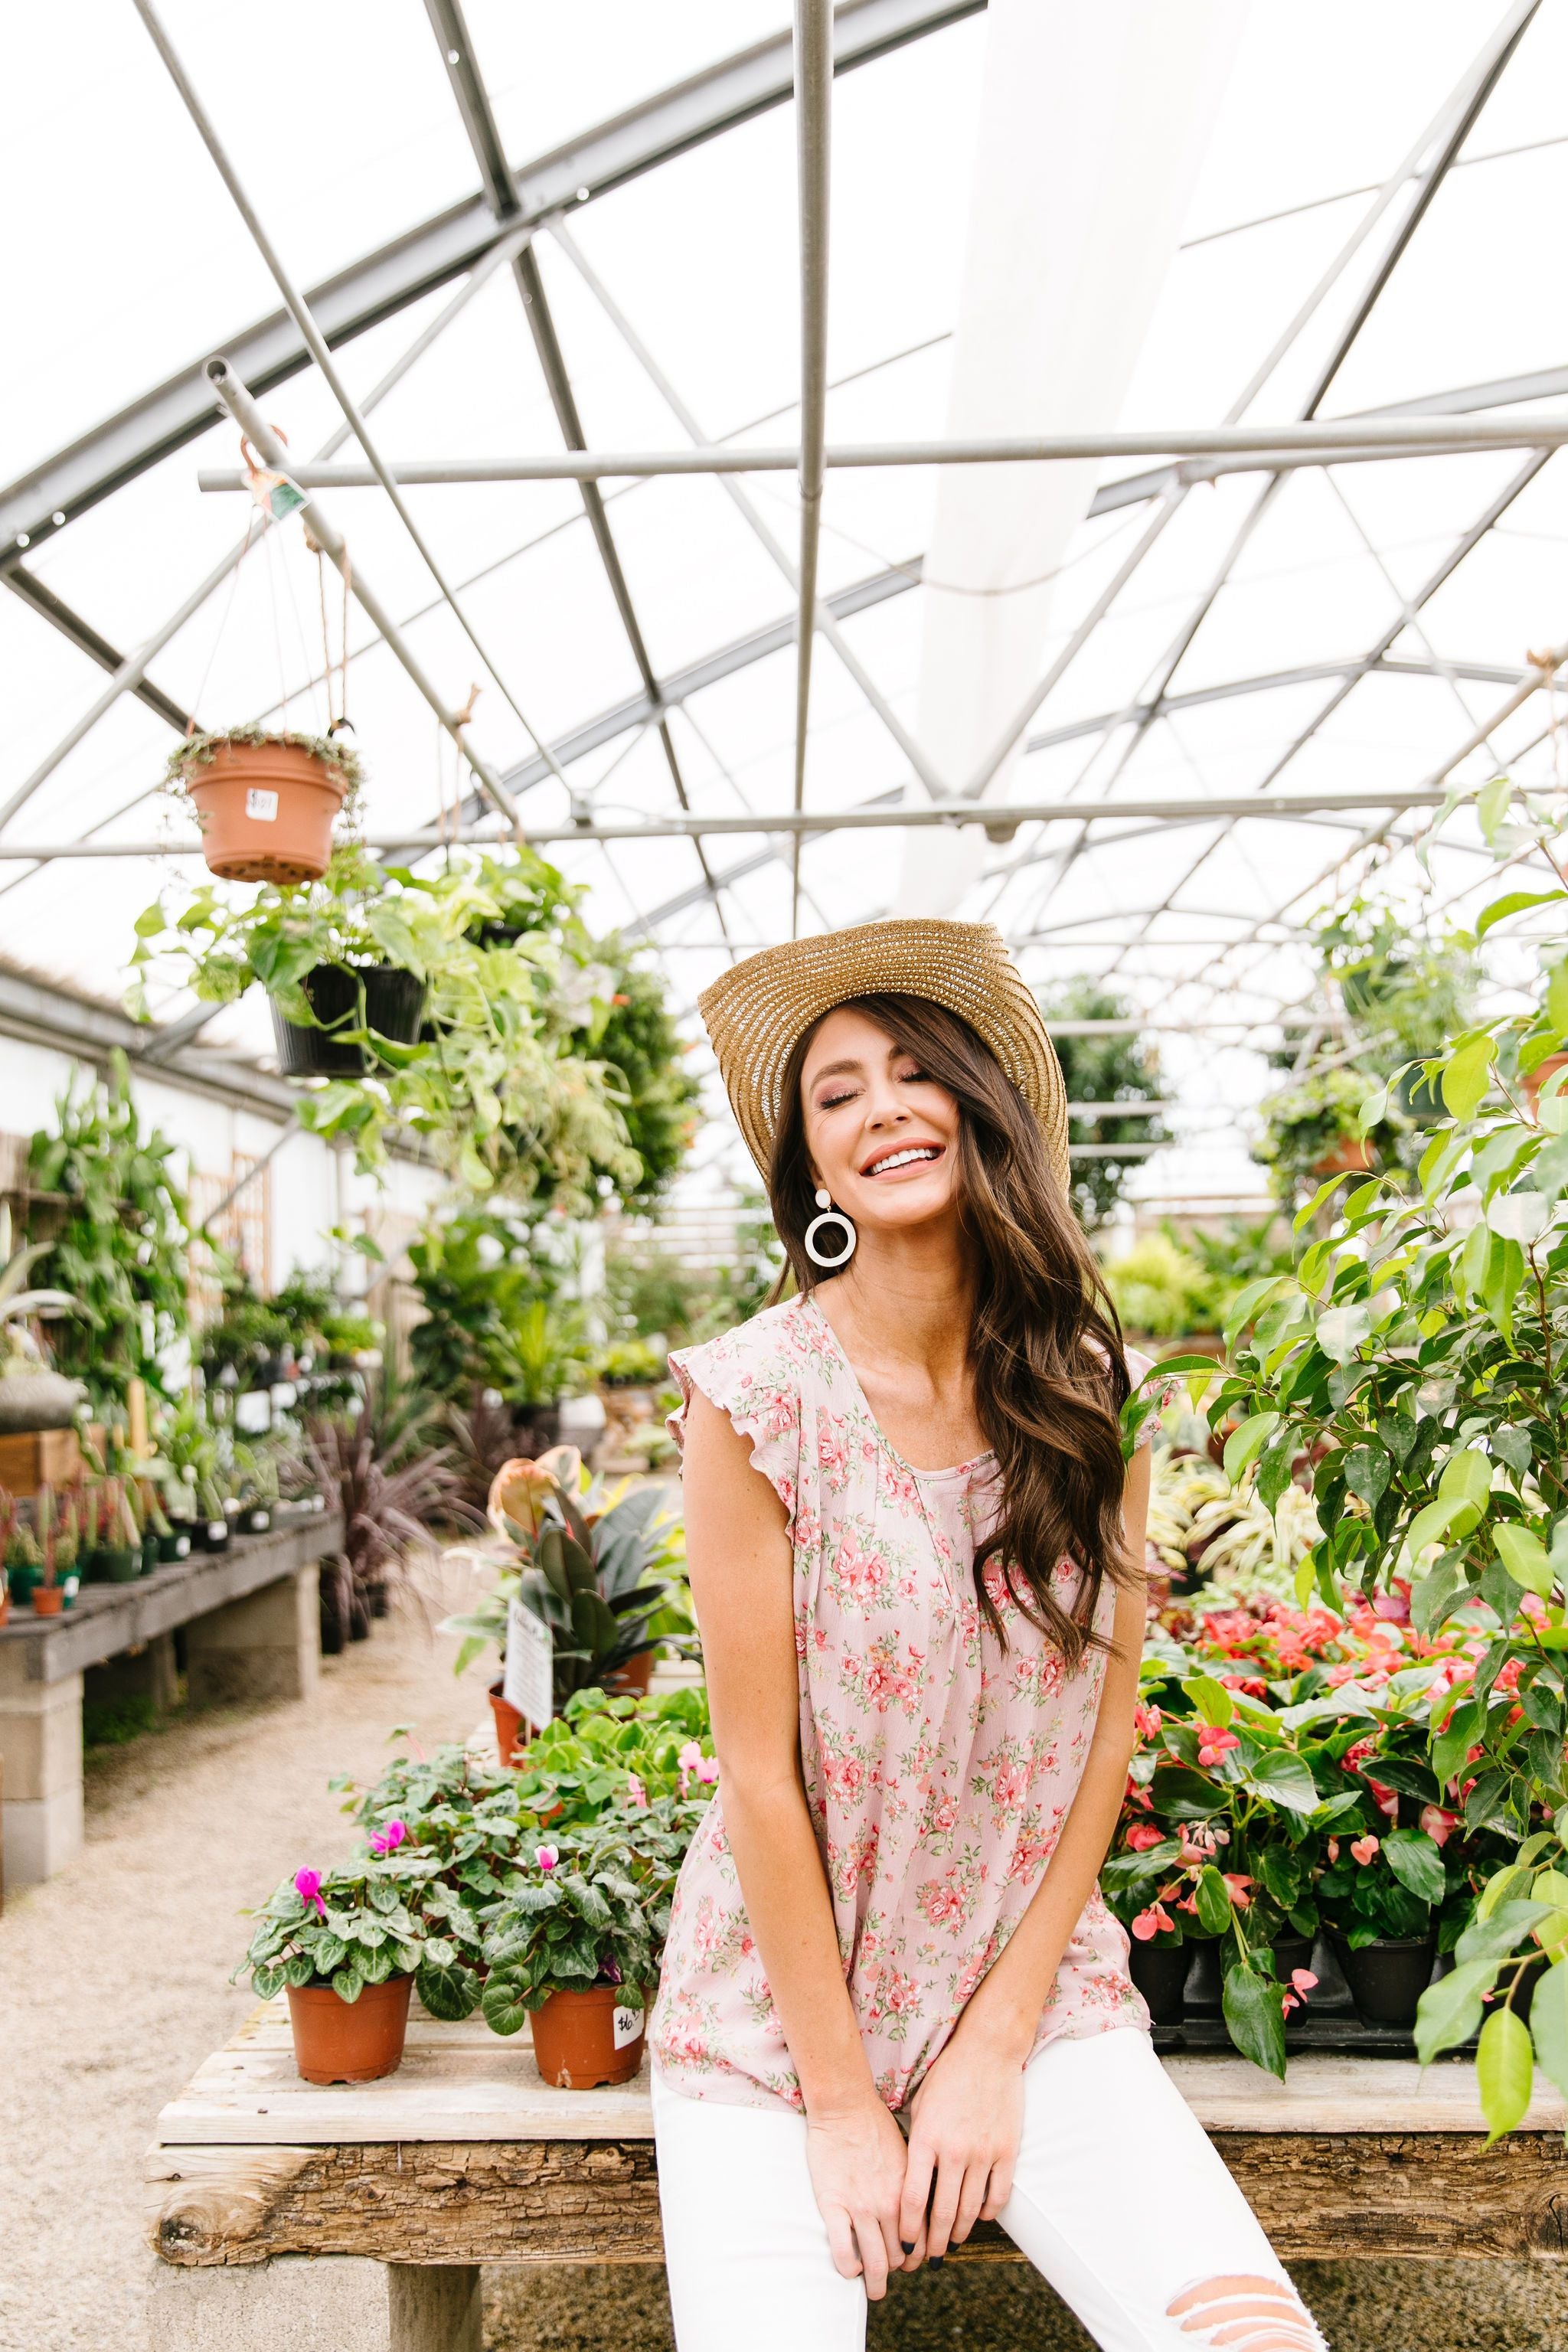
939, 1767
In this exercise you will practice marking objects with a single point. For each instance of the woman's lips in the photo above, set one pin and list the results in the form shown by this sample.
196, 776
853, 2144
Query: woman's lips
891, 1166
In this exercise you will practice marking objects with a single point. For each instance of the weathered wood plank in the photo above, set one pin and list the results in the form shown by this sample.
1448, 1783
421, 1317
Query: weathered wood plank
464, 2082
1321, 2197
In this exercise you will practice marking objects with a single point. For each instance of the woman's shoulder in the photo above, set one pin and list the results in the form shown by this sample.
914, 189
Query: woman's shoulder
771, 1352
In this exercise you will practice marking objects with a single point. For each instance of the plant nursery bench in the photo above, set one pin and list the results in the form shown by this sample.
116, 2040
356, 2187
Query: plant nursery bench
252, 1632
354, 2219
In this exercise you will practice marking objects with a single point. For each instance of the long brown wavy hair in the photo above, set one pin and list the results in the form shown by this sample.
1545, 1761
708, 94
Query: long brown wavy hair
1046, 1344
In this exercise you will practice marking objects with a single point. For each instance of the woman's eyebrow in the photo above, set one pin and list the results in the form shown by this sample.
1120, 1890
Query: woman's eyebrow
837, 1070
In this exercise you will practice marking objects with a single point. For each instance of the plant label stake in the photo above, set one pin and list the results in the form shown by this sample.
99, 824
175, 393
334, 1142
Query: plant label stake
528, 1683
629, 2025
261, 805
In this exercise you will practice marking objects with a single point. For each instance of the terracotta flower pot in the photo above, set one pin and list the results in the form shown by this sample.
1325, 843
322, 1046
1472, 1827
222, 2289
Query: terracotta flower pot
337, 2040
582, 2040
631, 1681
49, 1600
266, 811
1350, 1156
511, 1731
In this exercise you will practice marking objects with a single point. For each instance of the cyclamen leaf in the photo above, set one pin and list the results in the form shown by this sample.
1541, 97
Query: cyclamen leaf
267, 1983
505, 2008
1505, 2068
348, 1983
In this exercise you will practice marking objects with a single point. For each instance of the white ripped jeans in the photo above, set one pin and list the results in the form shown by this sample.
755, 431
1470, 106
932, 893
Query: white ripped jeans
1119, 2199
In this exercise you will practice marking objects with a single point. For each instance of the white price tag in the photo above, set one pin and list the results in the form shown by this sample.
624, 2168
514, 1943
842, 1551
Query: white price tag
261, 804
629, 2025
528, 1681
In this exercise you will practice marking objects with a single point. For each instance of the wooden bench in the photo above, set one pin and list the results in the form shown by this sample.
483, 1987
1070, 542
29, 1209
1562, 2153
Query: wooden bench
356, 2219
253, 1633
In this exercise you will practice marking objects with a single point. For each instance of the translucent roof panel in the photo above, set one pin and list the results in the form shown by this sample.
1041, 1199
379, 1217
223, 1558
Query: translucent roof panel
1362, 236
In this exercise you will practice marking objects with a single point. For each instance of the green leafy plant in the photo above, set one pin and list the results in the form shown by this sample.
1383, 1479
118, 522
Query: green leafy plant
630, 1363
585, 1563
1163, 1290
379, 1916
120, 1249
596, 1910
19, 1351
600, 1752
1103, 1068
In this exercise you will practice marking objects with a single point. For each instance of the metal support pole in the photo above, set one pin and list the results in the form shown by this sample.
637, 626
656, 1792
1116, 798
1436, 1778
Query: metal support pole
316, 344
813, 118
330, 539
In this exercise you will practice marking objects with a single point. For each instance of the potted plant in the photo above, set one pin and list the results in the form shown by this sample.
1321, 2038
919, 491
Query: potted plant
212, 1525
576, 1945
65, 1550
348, 1945
391, 1485
584, 1563
266, 801
32, 1395
1312, 1128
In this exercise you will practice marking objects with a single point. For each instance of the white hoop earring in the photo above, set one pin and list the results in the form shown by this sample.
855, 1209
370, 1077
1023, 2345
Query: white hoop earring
831, 1216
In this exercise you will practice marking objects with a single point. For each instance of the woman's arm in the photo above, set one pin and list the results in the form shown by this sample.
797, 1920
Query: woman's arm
968, 2112
739, 1558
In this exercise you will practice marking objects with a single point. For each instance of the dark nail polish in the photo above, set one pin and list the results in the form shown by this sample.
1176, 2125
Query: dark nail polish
936, 2261
908, 2244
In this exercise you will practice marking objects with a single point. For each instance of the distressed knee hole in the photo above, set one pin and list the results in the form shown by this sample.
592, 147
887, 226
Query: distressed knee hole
1245, 2313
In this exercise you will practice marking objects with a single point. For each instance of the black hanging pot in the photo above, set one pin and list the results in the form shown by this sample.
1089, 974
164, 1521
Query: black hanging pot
394, 999
1160, 1973
1388, 1978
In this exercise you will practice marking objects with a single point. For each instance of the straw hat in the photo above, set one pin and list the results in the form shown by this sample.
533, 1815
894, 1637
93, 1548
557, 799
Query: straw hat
758, 1011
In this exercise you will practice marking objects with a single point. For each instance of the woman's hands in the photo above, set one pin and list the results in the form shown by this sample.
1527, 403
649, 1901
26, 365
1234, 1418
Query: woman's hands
964, 2127
858, 2171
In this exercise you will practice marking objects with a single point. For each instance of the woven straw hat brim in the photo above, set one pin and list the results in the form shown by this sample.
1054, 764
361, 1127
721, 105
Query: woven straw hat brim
758, 1011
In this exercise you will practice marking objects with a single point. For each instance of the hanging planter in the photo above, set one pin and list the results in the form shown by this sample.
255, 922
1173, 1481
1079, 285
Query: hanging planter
1350, 1155
390, 1006
265, 804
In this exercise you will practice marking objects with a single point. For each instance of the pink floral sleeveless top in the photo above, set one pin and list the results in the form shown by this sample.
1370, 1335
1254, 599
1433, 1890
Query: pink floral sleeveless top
939, 1767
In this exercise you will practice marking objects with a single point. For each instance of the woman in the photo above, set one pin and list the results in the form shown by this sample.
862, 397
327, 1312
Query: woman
912, 1538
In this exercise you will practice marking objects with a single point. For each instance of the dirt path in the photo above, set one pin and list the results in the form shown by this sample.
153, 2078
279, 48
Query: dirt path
114, 1976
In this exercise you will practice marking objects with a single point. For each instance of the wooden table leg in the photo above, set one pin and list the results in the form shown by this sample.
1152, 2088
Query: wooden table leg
329, 2303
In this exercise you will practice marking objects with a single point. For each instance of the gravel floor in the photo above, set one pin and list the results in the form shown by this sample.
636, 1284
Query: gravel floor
114, 1976
113, 1987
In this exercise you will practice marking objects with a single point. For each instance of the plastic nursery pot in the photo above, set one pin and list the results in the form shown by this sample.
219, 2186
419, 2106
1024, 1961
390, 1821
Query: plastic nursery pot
1160, 1973
511, 1731
337, 2040
255, 1519
122, 1565
175, 1545
266, 811
582, 2040
49, 1600
631, 1681
1350, 1155
1291, 1952
148, 1553
1388, 1978
23, 1582
212, 1535
1205, 1985
392, 1001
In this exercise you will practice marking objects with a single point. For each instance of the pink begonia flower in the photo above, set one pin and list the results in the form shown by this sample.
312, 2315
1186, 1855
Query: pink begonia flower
308, 1887
546, 1856
388, 1838
636, 1794
1141, 1836
1303, 1979
1150, 1923
1438, 1825
1334, 1849
1148, 1720
1238, 1883
1214, 1741
1364, 1848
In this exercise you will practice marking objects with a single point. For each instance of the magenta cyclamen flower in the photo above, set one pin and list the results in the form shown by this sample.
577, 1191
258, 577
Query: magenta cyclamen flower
546, 1856
388, 1838
308, 1887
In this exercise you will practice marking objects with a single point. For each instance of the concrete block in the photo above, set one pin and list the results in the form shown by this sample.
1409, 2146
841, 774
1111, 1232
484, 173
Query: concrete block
40, 1837
267, 1645
339, 2302
148, 1672
40, 1737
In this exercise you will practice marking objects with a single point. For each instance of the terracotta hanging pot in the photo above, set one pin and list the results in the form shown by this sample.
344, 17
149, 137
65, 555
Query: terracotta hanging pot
582, 2040
337, 2040
267, 810
1537, 1078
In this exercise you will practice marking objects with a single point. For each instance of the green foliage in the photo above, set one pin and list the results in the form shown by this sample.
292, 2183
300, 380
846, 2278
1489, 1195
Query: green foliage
630, 1363
600, 1752
368, 1920
1310, 1118
1102, 1069
597, 1913
643, 1052
508, 1084
1163, 1290
119, 1251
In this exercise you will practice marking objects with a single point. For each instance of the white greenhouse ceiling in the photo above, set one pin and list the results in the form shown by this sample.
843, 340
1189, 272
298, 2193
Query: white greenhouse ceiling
526, 228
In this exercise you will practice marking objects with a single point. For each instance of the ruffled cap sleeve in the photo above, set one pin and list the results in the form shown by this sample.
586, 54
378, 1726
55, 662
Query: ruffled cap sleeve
750, 1377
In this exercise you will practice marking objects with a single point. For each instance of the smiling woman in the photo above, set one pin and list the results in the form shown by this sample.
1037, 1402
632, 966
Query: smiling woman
922, 1681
